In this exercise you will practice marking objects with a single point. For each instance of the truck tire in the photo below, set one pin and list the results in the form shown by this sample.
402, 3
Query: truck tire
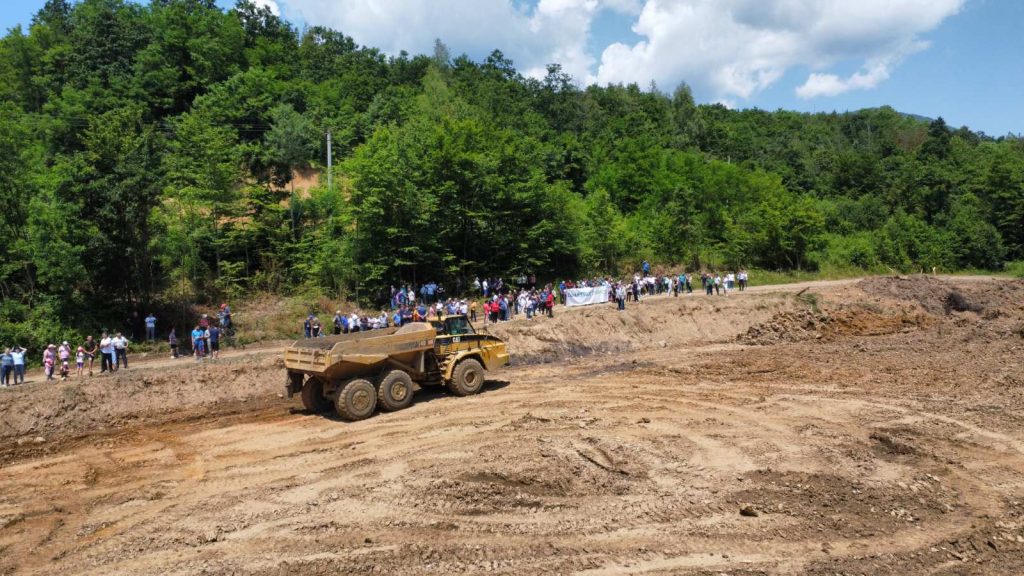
356, 400
313, 398
395, 391
467, 378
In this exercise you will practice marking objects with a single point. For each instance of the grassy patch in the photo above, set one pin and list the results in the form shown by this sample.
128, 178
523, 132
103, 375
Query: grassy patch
1014, 269
769, 277
811, 300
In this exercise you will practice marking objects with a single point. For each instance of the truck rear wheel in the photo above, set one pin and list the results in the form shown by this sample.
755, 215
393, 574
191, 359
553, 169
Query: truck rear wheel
313, 398
467, 378
356, 400
395, 391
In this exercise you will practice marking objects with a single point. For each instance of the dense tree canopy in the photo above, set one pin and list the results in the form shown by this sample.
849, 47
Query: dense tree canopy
147, 154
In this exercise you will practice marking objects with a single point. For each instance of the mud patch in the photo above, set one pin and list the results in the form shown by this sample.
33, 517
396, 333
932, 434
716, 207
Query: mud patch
845, 507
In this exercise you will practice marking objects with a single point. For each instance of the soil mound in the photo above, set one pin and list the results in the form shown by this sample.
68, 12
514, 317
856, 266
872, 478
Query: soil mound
926, 291
942, 296
655, 322
830, 323
39, 410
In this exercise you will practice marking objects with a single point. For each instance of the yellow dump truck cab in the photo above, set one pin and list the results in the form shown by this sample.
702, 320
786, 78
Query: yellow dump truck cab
457, 340
359, 372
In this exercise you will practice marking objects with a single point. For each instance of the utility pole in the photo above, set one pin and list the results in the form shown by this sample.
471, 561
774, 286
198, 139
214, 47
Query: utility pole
329, 175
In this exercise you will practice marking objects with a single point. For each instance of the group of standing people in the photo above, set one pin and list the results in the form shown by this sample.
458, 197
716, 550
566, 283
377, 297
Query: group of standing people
503, 301
112, 350
533, 302
12, 365
715, 284
206, 336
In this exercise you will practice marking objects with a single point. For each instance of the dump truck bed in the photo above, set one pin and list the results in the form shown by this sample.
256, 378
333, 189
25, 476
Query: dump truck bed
335, 357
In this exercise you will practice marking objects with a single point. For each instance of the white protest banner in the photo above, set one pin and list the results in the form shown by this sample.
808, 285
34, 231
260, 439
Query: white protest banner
586, 296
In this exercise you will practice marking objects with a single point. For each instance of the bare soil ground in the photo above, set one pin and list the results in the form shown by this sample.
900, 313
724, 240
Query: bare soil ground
868, 427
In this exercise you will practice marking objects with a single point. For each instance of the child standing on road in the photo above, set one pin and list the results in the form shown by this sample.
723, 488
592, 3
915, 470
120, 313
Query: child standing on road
64, 353
80, 361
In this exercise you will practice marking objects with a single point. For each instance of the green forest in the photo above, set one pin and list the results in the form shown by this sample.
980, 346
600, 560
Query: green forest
147, 157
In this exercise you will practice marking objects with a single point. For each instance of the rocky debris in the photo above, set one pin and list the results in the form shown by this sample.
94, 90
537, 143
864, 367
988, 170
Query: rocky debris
788, 326
957, 302
749, 510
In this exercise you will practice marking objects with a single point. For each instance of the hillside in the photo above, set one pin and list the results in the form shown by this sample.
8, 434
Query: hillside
147, 155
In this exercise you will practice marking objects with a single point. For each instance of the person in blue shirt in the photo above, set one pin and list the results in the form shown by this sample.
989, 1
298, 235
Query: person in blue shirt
198, 342
337, 322
214, 332
151, 327
397, 318
646, 266
6, 368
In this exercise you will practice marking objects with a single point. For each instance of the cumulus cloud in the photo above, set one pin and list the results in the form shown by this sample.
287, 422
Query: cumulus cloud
532, 34
735, 48
271, 4
871, 74
728, 50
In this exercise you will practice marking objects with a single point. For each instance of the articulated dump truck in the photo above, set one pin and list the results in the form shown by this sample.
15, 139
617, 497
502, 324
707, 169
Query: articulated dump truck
356, 373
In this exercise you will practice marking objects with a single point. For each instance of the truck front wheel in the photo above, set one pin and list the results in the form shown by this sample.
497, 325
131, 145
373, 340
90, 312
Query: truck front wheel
467, 378
357, 400
395, 391
313, 399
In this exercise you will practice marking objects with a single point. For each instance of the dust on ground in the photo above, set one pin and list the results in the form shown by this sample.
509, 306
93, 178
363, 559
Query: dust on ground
855, 428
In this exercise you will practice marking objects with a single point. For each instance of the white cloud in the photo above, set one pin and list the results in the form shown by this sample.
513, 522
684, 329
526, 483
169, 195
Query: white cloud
871, 74
269, 4
533, 35
728, 50
735, 48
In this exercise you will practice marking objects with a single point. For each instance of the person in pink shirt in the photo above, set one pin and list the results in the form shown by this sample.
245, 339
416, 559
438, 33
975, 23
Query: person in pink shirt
49, 359
64, 353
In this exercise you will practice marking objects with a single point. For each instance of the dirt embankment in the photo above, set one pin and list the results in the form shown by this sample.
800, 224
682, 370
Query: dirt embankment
162, 390
36, 413
169, 390
659, 322
890, 305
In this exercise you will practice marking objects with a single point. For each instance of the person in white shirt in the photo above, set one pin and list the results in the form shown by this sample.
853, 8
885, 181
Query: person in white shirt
18, 355
120, 350
106, 354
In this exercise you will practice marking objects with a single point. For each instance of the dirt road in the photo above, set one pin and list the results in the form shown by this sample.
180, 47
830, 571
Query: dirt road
863, 428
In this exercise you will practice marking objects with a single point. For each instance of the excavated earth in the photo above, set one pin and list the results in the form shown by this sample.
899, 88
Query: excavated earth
863, 427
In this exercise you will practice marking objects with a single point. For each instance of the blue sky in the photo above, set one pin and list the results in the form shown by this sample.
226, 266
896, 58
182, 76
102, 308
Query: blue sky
960, 59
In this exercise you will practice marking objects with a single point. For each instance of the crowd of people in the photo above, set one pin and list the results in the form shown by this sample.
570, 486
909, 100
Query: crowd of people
494, 300
111, 351
206, 336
